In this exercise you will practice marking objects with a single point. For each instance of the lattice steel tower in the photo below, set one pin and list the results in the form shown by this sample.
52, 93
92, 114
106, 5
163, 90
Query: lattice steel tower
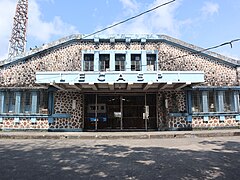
18, 38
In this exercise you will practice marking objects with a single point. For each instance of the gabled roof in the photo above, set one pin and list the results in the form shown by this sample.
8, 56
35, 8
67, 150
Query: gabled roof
121, 38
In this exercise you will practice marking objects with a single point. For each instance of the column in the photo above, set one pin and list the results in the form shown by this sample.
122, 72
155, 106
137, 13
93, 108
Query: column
144, 61
128, 61
236, 101
112, 61
220, 101
96, 60
50, 102
189, 102
18, 102
2, 102
34, 102
205, 101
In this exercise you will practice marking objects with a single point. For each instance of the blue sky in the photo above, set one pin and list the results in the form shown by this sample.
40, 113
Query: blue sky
204, 23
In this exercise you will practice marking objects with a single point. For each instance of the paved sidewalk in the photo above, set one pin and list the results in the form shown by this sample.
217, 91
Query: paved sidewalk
119, 135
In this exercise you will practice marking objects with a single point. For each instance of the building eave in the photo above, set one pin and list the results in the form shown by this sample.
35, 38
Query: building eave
121, 38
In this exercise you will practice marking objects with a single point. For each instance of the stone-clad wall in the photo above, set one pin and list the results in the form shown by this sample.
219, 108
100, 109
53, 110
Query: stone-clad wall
172, 102
68, 58
24, 123
22, 74
216, 73
64, 104
214, 121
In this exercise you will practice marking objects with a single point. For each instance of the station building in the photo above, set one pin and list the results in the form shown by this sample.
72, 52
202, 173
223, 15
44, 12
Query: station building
119, 83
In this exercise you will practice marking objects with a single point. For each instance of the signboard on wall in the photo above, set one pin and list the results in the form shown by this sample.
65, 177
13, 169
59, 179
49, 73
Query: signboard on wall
101, 108
117, 114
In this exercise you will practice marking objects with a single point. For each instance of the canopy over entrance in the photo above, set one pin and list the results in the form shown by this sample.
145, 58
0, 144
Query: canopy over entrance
120, 80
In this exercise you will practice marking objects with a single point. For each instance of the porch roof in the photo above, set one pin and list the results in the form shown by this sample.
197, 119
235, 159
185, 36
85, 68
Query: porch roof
91, 81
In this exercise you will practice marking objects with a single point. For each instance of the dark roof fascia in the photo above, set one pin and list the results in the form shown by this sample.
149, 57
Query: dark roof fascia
200, 51
40, 50
121, 38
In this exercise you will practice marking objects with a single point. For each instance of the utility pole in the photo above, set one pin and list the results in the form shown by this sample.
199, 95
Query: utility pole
17, 43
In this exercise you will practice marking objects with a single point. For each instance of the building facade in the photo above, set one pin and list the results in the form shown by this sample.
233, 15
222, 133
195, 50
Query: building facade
121, 82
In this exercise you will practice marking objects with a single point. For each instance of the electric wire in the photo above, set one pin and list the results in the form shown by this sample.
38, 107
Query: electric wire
148, 11
128, 19
206, 49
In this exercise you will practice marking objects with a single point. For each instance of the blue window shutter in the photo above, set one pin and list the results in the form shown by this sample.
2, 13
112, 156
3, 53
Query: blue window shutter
2, 102
189, 102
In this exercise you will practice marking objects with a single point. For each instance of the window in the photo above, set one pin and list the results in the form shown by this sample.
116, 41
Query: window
197, 101
104, 62
151, 62
88, 62
120, 62
43, 102
9, 102
228, 101
214, 101
1, 101
26, 102
135, 62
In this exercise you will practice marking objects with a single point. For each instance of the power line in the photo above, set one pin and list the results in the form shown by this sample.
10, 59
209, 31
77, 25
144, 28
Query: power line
150, 10
131, 18
196, 52
207, 49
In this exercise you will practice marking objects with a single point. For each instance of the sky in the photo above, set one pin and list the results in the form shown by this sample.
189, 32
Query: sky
204, 23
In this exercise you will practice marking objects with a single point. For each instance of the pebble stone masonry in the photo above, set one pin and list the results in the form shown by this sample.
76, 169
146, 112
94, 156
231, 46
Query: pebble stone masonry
66, 55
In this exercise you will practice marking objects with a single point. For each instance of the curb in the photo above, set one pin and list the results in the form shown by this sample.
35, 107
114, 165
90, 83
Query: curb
124, 135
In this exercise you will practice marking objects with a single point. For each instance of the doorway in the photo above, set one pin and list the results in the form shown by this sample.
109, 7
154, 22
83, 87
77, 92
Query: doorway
119, 112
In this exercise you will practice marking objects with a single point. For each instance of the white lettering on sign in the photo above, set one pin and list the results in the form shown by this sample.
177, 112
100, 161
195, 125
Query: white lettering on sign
120, 78
101, 77
140, 77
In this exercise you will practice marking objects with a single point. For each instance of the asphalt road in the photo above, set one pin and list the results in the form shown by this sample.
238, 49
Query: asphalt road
185, 158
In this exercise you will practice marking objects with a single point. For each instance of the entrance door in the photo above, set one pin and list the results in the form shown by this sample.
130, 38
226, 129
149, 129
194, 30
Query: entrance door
119, 112
102, 112
133, 108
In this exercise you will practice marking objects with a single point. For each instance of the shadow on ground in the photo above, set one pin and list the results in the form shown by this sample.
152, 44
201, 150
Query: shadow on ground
51, 159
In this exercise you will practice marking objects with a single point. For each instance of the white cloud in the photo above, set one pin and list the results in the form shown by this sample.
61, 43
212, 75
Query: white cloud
47, 28
7, 10
209, 9
161, 21
38, 29
131, 6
